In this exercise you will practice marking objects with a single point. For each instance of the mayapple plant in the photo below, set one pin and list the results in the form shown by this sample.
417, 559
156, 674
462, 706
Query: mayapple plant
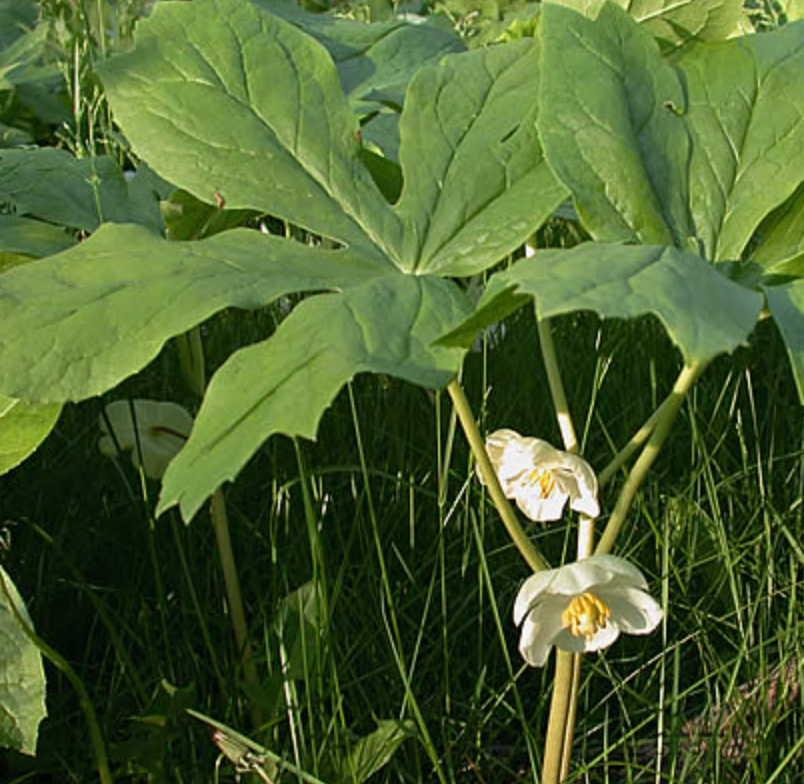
683, 172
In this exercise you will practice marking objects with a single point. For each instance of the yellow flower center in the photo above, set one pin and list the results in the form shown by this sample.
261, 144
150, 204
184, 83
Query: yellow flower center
542, 477
585, 615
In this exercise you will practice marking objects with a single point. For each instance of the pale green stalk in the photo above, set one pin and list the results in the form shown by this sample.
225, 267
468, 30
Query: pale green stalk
191, 354
504, 509
666, 416
586, 546
563, 716
560, 405
639, 438
559, 713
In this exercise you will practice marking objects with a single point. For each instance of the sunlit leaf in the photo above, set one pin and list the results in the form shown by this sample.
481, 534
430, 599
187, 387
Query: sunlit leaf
284, 384
23, 426
746, 114
227, 101
610, 126
704, 312
475, 182
97, 313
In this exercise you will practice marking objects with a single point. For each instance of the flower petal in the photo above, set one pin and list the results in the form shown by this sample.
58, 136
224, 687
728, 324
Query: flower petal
540, 509
539, 631
530, 592
634, 611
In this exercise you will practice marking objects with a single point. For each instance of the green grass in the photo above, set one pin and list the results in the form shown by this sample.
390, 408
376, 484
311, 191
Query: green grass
416, 576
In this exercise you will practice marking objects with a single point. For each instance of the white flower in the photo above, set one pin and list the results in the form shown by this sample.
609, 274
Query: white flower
583, 606
156, 433
540, 478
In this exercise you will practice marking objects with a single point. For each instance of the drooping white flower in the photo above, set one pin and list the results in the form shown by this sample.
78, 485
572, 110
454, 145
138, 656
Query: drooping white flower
540, 478
583, 607
155, 433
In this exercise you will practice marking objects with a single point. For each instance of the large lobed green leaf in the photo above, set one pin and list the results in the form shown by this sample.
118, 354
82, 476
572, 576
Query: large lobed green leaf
22, 677
95, 314
746, 114
234, 105
610, 127
694, 154
229, 102
476, 185
283, 384
704, 312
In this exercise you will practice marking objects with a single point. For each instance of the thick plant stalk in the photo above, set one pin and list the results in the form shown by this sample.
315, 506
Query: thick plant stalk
667, 415
234, 597
586, 546
506, 512
566, 704
191, 352
559, 713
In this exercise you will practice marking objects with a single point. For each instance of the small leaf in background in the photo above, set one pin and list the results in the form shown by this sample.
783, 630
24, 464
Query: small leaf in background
22, 678
32, 237
676, 24
23, 426
371, 753
299, 627
80, 193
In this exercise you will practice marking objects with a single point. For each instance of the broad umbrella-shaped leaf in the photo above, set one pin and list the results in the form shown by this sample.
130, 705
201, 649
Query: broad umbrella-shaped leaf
704, 312
97, 313
224, 99
746, 115
230, 103
22, 677
23, 426
475, 181
610, 126
283, 384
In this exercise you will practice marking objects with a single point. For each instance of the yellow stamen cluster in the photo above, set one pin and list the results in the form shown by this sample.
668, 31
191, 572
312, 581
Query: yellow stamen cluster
585, 615
543, 478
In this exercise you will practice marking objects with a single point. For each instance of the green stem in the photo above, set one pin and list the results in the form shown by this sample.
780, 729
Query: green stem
586, 546
550, 358
639, 438
234, 596
666, 415
506, 512
191, 359
95, 734
559, 712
